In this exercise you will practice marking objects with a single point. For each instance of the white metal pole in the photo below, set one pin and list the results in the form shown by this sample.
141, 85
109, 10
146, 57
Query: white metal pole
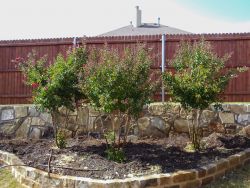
74, 42
163, 60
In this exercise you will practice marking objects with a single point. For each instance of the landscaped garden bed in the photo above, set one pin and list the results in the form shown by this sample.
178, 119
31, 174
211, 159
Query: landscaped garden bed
116, 148
149, 162
87, 157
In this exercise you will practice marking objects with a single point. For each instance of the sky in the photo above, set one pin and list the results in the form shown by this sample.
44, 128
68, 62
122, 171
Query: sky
231, 10
30, 19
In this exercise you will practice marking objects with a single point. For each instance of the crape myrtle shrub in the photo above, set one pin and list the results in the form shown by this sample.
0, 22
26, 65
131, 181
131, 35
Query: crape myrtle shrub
56, 85
119, 86
200, 76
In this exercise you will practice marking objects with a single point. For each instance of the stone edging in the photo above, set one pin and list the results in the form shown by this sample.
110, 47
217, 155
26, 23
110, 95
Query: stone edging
34, 178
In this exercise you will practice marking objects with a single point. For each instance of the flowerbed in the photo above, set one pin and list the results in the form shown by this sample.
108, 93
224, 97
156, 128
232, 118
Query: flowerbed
119, 87
148, 163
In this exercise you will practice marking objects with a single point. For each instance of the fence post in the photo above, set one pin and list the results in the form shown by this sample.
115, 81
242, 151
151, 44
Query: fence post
163, 60
74, 42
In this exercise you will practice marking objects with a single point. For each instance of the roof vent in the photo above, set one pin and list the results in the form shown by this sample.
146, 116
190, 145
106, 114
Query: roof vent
138, 16
159, 21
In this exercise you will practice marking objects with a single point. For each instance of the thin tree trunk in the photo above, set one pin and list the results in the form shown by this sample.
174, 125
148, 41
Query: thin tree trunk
55, 126
126, 130
197, 130
113, 127
198, 127
119, 129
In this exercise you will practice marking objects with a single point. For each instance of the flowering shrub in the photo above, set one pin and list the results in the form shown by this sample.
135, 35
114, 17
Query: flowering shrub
35, 72
120, 86
198, 80
56, 85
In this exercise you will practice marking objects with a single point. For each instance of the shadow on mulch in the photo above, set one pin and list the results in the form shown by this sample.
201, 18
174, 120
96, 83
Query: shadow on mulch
237, 141
169, 159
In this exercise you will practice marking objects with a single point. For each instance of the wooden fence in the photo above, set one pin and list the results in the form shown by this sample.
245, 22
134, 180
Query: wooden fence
13, 90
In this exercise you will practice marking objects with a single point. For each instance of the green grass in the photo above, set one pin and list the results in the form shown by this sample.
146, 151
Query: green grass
239, 178
7, 180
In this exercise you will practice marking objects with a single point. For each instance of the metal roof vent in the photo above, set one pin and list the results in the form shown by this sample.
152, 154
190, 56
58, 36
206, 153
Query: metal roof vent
138, 16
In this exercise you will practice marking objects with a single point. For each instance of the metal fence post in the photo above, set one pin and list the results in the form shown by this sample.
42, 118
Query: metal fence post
163, 60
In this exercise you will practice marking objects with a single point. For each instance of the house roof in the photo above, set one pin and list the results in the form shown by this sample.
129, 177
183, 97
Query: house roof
145, 29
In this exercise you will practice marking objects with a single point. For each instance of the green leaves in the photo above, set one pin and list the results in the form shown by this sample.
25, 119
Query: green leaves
118, 83
56, 85
200, 76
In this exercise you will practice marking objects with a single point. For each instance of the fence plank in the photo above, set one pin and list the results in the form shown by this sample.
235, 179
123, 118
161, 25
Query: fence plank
13, 90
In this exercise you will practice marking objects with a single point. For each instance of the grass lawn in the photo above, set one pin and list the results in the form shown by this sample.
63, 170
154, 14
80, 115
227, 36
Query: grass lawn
7, 180
239, 178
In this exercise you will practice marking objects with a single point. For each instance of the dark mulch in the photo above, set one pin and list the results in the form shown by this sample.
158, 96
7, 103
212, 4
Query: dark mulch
142, 157
4, 136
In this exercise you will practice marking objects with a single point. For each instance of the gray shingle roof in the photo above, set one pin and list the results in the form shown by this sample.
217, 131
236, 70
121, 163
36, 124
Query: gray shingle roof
145, 29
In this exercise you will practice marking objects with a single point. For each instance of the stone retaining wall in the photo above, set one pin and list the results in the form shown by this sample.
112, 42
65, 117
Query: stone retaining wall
160, 118
34, 178
25, 121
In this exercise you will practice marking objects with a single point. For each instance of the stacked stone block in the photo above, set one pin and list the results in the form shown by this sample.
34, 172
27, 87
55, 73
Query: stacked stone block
25, 121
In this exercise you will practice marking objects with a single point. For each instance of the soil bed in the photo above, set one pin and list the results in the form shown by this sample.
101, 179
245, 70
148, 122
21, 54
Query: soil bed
143, 157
